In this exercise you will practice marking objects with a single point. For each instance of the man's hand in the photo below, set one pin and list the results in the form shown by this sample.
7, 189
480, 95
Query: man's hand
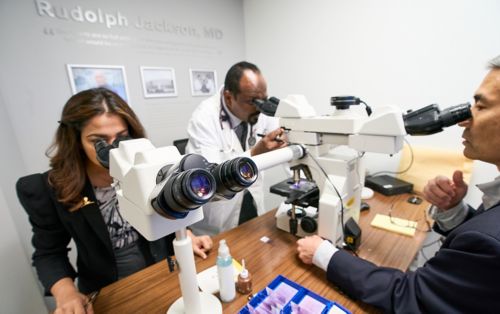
445, 193
271, 141
69, 299
201, 244
306, 247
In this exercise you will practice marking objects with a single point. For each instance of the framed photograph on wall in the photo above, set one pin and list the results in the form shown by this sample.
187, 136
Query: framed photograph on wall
203, 82
112, 77
158, 82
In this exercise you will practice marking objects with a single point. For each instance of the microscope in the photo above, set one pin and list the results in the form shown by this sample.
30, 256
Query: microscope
324, 194
160, 192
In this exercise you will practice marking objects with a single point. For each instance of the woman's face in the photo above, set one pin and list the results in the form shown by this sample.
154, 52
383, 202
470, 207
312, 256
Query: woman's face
106, 126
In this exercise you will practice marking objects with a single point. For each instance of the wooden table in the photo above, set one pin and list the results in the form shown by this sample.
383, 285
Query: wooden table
154, 289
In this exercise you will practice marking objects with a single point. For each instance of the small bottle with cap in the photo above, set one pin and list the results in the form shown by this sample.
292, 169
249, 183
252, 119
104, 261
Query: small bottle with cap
225, 272
244, 283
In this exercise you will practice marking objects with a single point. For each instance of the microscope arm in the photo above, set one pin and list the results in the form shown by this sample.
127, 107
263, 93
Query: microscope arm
279, 156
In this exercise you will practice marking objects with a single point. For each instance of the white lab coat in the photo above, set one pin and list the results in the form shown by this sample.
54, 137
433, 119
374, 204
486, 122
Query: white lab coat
216, 141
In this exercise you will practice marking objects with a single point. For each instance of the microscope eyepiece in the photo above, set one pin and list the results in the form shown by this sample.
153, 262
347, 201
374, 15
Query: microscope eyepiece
188, 186
455, 114
194, 181
184, 191
189, 189
234, 175
430, 120
246, 171
102, 152
201, 184
102, 149
267, 106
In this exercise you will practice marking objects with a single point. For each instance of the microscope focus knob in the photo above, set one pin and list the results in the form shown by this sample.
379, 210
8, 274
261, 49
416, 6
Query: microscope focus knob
308, 224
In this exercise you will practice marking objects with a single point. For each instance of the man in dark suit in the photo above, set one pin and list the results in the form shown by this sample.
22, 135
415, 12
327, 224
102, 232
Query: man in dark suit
464, 275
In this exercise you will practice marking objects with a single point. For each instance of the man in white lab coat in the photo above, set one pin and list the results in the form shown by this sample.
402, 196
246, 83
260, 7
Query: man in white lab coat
228, 125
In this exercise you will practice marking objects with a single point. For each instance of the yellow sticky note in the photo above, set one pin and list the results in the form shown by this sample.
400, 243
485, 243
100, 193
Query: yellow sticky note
398, 225
237, 266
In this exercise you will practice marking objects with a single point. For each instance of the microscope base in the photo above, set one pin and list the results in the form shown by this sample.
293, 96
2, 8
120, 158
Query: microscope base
283, 220
283, 223
209, 303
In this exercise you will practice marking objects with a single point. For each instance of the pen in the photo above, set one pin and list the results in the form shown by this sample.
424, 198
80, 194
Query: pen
276, 139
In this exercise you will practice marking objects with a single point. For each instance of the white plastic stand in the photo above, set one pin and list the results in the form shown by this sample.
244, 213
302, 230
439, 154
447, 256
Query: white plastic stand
192, 301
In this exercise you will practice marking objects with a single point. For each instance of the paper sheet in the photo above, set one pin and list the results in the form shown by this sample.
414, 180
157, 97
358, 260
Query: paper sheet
208, 281
430, 162
397, 225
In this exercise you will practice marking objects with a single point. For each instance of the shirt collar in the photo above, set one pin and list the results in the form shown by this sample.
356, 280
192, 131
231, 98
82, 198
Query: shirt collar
491, 193
233, 120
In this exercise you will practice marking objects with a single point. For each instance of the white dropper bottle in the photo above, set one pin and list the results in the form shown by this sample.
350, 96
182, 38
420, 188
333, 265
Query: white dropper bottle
225, 273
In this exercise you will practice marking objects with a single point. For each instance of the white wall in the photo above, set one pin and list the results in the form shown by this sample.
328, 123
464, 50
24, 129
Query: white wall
17, 281
36, 49
397, 52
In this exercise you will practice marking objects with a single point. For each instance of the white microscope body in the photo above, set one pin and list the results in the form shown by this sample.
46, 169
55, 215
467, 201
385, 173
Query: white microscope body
331, 165
134, 165
160, 192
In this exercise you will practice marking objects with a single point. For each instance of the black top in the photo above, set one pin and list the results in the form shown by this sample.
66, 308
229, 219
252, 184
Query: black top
54, 226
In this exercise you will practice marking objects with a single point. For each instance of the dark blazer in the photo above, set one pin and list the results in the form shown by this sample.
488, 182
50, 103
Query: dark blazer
463, 276
54, 226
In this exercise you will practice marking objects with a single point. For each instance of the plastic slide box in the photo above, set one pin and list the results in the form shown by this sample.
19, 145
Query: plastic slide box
294, 299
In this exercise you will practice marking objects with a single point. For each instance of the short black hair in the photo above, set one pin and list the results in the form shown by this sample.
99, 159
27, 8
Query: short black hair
233, 76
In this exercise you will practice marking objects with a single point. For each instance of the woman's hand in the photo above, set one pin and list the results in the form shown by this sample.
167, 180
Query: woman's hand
69, 299
201, 244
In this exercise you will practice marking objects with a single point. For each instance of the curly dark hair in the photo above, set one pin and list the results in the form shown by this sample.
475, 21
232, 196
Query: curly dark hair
67, 157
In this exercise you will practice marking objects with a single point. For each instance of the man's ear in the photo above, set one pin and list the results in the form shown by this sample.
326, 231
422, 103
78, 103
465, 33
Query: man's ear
227, 98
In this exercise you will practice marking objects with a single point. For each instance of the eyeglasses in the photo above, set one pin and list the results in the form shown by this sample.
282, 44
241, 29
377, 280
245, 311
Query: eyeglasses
410, 224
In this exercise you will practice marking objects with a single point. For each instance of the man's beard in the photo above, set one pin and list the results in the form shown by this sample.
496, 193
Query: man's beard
253, 118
